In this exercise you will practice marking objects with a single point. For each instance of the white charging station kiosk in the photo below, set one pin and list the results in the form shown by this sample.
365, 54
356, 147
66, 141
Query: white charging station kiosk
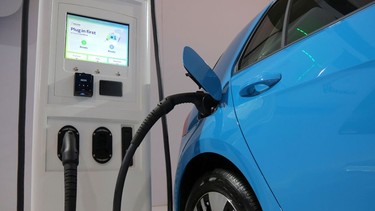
92, 74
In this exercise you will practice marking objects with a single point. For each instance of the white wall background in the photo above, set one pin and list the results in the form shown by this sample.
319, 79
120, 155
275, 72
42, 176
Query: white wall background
206, 25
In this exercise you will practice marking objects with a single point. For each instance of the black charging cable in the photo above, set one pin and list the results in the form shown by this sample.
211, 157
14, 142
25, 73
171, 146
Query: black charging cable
202, 101
69, 157
168, 168
22, 106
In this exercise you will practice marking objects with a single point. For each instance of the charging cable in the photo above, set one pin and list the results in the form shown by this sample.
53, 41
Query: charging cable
22, 106
69, 157
164, 125
202, 101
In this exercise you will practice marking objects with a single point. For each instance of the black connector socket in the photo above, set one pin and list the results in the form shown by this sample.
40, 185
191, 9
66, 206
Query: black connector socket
102, 145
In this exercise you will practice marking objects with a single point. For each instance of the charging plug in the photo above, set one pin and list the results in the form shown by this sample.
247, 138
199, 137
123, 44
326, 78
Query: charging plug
67, 145
68, 152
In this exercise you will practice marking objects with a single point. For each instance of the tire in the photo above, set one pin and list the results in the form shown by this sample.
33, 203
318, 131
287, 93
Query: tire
220, 190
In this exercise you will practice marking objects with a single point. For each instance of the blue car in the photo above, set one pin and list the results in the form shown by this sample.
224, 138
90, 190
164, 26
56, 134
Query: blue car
294, 128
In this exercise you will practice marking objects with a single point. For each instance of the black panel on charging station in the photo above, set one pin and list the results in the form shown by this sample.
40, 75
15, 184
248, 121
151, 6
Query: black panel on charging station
110, 88
127, 136
83, 84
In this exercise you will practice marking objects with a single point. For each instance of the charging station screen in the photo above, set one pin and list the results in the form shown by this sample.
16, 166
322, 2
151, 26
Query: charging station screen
95, 40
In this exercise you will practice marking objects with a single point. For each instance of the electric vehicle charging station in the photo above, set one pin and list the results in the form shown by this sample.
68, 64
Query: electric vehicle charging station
92, 78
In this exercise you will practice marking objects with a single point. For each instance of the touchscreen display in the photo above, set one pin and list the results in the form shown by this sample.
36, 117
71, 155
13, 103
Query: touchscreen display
95, 40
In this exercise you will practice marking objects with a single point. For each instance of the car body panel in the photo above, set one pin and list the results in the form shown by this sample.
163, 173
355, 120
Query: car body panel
313, 133
230, 144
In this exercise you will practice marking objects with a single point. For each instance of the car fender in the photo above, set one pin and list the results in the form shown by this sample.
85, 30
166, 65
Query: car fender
229, 145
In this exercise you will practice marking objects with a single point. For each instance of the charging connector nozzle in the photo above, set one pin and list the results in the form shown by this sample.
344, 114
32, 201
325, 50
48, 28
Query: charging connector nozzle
69, 150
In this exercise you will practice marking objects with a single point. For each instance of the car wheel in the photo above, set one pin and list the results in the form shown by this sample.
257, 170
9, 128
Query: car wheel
220, 190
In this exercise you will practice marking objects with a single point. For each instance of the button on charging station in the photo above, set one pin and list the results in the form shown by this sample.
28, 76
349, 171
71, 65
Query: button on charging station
102, 145
83, 84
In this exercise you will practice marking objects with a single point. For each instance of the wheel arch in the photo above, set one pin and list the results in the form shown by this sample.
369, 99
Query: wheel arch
198, 166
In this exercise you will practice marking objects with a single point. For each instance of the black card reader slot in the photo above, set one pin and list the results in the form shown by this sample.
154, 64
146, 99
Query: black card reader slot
110, 88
